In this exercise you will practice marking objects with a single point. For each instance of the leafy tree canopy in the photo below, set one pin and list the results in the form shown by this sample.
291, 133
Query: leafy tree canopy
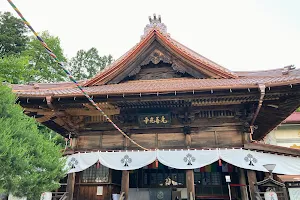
30, 164
87, 63
12, 34
15, 69
47, 70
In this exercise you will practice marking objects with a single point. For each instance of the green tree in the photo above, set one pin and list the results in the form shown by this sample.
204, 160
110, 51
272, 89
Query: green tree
15, 69
30, 163
87, 63
13, 38
47, 70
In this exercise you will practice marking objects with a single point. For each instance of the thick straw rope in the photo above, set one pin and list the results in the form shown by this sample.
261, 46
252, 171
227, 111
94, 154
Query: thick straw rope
70, 75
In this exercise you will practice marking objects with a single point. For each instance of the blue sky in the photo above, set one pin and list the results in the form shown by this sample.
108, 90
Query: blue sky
239, 35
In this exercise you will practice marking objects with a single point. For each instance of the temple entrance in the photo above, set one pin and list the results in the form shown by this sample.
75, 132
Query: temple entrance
156, 181
210, 181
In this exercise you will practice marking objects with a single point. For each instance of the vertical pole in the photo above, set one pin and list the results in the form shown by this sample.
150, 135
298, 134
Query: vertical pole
70, 185
190, 183
125, 183
229, 191
246, 189
285, 193
244, 193
252, 180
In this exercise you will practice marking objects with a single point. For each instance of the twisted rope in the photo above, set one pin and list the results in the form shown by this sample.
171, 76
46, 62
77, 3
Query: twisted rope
50, 52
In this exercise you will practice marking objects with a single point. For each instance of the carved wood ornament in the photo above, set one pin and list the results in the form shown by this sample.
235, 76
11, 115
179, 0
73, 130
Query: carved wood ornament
156, 57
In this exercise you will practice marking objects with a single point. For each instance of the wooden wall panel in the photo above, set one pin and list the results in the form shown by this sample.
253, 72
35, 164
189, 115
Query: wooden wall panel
112, 141
88, 192
171, 140
88, 142
229, 138
146, 140
203, 139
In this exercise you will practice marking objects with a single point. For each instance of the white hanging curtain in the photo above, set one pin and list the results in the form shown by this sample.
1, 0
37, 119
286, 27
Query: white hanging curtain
127, 160
187, 159
253, 160
184, 159
81, 161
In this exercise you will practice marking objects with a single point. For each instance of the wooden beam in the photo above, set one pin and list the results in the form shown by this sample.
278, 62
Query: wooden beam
188, 140
252, 180
242, 180
70, 185
43, 119
125, 183
190, 183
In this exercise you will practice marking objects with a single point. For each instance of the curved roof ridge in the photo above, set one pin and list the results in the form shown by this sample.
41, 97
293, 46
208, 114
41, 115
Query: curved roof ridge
212, 66
203, 57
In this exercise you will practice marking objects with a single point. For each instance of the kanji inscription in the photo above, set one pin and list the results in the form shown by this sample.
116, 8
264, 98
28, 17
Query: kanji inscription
154, 120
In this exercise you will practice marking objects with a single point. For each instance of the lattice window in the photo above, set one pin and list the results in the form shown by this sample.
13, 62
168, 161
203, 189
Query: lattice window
208, 178
163, 177
95, 174
216, 178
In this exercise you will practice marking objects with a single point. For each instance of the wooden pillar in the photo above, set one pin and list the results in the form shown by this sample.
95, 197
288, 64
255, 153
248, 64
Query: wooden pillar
190, 183
125, 183
188, 140
70, 185
252, 180
244, 189
285, 193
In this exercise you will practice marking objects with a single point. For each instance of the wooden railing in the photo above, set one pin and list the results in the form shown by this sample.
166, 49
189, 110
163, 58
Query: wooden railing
59, 195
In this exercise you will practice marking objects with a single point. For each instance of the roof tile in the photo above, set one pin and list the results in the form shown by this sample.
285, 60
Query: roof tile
161, 85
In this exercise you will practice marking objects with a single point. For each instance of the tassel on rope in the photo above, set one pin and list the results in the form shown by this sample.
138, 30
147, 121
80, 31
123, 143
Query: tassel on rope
156, 163
220, 162
61, 65
98, 164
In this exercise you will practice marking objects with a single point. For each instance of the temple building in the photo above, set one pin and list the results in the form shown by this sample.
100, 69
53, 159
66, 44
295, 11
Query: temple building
197, 122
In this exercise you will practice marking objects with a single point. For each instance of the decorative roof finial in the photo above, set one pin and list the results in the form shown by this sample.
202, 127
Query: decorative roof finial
155, 23
155, 20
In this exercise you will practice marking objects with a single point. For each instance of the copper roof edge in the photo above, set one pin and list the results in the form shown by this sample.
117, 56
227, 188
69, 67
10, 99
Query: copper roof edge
272, 149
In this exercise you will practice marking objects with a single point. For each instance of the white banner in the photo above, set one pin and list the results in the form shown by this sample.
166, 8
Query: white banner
46, 196
127, 160
81, 161
187, 159
247, 159
294, 193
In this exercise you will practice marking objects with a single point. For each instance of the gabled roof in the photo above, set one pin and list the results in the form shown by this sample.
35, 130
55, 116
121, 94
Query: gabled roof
153, 86
155, 32
283, 84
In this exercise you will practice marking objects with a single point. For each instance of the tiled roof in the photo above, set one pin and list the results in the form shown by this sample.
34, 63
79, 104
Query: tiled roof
289, 178
272, 148
119, 65
154, 86
98, 84
200, 58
